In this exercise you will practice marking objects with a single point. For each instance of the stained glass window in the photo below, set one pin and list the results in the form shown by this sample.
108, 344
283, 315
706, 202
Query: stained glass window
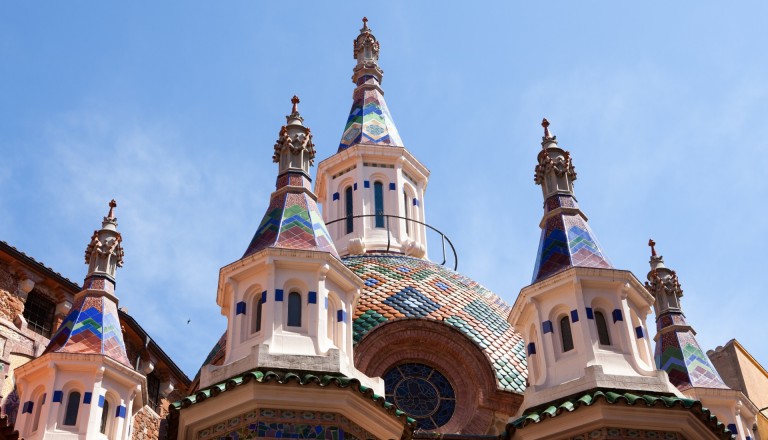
422, 392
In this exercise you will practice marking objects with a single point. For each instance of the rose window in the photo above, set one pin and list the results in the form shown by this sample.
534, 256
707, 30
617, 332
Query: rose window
422, 392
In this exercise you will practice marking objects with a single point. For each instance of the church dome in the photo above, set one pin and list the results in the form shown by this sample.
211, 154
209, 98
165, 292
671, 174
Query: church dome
399, 287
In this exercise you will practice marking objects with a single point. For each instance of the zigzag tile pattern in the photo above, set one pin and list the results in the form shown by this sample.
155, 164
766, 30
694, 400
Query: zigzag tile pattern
369, 119
292, 221
566, 241
679, 354
92, 327
405, 287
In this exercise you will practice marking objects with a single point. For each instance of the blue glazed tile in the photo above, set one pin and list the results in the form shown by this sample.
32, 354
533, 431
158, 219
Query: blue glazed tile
546, 327
531, 348
366, 183
278, 294
392, 186
590, 313
57, 396
240, 308
87, 398
312, 297
574, 316
639, 331
335, 196
617, 315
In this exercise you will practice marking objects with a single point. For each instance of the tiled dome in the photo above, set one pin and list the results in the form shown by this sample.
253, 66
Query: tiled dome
404, 287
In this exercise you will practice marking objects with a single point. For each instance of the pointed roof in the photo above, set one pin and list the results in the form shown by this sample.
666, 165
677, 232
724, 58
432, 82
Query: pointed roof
369, 119
566, 238
293, 220
677, 351
93, 325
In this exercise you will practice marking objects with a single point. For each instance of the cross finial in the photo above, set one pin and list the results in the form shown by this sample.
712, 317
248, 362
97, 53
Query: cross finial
545, 124
295, 101
652, 244
112, 206
365, 22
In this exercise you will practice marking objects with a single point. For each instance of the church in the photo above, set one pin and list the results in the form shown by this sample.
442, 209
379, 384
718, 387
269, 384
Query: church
341, 326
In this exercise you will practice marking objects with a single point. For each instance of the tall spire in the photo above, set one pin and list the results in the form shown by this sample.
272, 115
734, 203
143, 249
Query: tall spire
566, 238
293, 219
677, 351
369, 120
93, 325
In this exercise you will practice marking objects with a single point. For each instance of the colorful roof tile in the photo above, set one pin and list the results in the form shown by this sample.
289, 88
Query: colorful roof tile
293, 220
408, 287
93, 324
677, 351
92, 327
612, 398
566, 238
369, 119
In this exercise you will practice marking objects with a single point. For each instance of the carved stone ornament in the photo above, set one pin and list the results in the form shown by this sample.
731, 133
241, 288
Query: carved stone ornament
104, 256
561, 166
669, 285
300, 142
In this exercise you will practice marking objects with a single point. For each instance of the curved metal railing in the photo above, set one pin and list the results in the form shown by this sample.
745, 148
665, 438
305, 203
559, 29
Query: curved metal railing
444, 238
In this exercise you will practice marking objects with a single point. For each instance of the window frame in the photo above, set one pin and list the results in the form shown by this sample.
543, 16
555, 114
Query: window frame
349, 210
40, 313
68, 406
294, 304
598, 321
563, 333
378, 204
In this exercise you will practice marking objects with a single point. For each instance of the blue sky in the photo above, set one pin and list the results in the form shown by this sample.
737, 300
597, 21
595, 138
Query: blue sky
172, 108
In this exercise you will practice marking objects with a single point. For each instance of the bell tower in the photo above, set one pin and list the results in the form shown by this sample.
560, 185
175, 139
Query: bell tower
372, 189
83, 386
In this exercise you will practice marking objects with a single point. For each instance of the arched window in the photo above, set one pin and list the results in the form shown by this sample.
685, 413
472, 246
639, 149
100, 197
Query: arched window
348, 209
405, 213
36, 417
378, 202
294, 309
565, 334
104, 417
602, 329
73, 406
257, 318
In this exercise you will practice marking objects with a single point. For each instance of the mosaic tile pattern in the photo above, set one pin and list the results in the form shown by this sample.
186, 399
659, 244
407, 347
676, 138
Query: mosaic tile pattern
369, 119
566, 241
92, 327
282, 423
678, 353
405, 287
422, 392
292, 221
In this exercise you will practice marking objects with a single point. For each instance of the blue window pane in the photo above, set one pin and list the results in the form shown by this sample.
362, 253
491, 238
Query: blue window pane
378, 198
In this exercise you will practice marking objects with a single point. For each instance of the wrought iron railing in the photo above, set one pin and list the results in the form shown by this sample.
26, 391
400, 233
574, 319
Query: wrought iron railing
443, 238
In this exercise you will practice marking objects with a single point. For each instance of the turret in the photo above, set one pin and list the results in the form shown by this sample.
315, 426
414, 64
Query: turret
372, 189
679, 354
583, 320
289, 300
83, 385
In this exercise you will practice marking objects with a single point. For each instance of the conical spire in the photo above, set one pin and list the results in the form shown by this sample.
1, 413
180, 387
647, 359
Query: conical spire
293, 219
677, 351
93, 325
566, 238
369, 120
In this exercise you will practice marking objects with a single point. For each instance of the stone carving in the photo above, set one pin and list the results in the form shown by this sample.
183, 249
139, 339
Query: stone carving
366, 48
561, 165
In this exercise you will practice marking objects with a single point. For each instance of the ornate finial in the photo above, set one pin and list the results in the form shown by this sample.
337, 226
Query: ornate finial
545, 124
652, 244
295, 101
112, 206
365, 22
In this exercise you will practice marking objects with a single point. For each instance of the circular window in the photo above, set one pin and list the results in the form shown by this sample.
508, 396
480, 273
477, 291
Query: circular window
422, 392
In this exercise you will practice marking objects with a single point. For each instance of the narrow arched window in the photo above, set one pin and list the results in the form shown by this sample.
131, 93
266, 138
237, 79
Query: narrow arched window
73, 406
348, 206
294, 309
602, 329
36, 418
104, 417
405, 213
565, 334
378, 203
257, 318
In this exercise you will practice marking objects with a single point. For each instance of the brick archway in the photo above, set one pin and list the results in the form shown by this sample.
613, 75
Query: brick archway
479, 402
